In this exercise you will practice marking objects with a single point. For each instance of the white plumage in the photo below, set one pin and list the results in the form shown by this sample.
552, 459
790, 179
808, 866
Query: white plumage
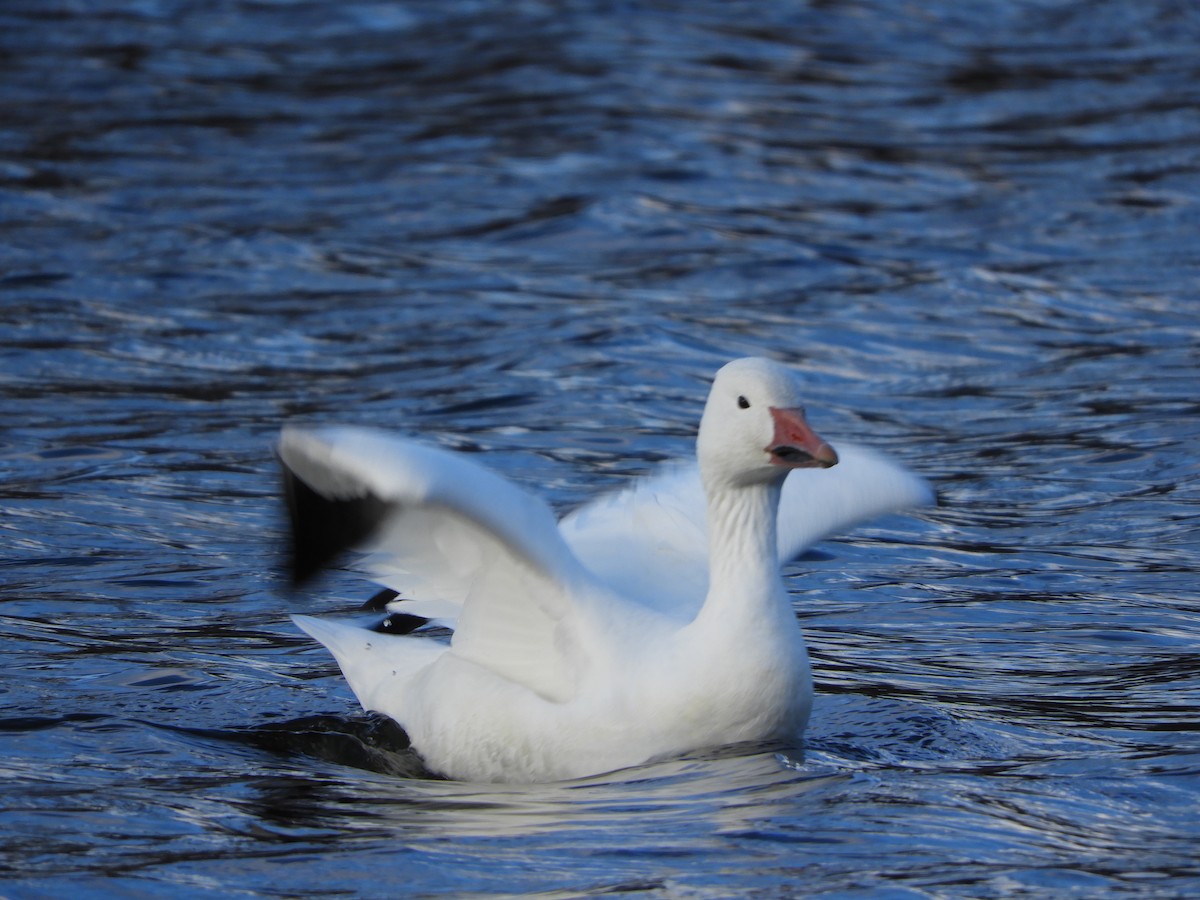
649, 622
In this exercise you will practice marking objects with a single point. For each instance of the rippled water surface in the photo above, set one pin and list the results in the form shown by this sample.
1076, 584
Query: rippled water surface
532, 231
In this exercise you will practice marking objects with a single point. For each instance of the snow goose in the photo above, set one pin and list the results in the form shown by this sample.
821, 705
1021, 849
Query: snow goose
647, 624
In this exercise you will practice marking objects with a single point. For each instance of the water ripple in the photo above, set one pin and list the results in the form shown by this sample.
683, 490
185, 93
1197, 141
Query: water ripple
533, 233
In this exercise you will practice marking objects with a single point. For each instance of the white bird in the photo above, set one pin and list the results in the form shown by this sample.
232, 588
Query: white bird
647, 624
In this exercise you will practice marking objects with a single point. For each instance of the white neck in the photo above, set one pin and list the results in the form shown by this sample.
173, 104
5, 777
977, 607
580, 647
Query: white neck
748, 657
744, 579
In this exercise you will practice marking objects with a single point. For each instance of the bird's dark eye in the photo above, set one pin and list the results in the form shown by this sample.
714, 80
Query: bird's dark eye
743, 403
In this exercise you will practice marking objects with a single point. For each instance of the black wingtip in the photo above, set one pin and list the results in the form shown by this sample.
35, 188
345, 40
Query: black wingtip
401, 623
379, 600
323, 528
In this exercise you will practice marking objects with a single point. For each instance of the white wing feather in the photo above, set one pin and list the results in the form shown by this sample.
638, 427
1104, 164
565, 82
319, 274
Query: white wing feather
462, 541
650, 541
458, 533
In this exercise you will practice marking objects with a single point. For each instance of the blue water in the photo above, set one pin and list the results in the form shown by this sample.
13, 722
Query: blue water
532, 231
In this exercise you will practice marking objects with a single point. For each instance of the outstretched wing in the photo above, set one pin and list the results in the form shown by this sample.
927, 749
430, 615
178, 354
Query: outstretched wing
441, 528
864, 485
650, 540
